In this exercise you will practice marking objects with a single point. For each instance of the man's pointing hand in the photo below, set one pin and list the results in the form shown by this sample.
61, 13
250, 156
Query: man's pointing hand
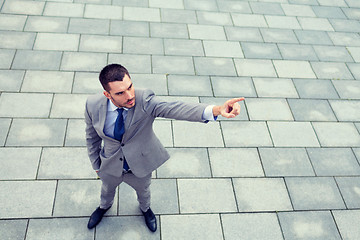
230, 109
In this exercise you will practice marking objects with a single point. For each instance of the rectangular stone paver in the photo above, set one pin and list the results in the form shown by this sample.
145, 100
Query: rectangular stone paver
37, 60
349, 188
311, 110
233, 86
346, 110
214, 66
345, 222
276, 109
13, 229
4, 126
255, 68
275, 87
179, 85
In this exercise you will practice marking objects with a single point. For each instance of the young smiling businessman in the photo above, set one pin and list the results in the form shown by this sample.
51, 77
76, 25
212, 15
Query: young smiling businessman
121, 144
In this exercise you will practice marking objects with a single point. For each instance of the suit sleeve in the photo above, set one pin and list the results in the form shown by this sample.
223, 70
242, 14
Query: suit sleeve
93, 141
156, 107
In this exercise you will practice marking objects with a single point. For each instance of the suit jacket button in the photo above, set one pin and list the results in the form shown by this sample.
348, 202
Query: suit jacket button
122, 145
121, 159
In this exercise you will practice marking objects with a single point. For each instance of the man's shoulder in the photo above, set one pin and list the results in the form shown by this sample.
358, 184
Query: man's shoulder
96, 100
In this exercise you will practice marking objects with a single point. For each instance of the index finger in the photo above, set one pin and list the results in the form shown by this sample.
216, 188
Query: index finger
234, 100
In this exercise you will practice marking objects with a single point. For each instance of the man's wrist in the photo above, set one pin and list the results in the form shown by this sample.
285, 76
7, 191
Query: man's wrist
216, 110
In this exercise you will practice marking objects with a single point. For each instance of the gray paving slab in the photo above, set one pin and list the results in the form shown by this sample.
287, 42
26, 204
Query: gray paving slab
344, 221
156, 82
249, 20
141, 3
280, 162
169, 30
134, 63
13, 229
214, 18
333, 54
11, 80
138, 45
178, 16
59, 9
349, 190
316, 89
214, 66
351, 13
141, 14
68, 106
243, 34
23, 7
233, 87
261, 194
278, 35
298, 10
331, 70
314, 193
6, 58
16, 40
93, 43
251, 225
313, 37
197, 226
176, 4
328, 12
337, 134
346, 110
345, 39
207, 5
173, 65
293, 69
83, 61
275, 87
344, 25
340, 3
163, 130
308, 225
46, 24
183, 47
355, 69
103, 11
266, 8
200, 85
4, 126
206, 32
261, 50
311, 110
286, 22
12, 22
37, 60
232, 6
255, 68
89, 26
74, 137
276, 109
129, 28
297, 52
222, 49
86, 82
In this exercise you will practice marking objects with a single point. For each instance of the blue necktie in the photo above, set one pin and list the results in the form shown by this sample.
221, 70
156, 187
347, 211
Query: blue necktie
119, 130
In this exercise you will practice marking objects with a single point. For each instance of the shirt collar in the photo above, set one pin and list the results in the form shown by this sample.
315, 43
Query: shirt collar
111, 107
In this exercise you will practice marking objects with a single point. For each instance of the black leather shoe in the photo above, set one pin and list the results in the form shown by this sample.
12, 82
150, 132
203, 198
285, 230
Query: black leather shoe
150, 220
96, 217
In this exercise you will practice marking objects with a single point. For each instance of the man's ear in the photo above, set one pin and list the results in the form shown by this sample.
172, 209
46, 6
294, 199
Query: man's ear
107, 94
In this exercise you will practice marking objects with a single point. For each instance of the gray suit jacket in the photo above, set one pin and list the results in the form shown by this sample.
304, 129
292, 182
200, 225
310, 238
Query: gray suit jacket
142, 149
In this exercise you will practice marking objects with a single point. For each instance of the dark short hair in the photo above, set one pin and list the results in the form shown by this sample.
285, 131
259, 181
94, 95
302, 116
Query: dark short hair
111, 73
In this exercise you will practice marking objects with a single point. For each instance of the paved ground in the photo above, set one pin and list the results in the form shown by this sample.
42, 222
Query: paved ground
287, 168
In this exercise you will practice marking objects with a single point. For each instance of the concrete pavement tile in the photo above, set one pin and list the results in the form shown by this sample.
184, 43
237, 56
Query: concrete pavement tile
214, 18
93, 43
253, 134
17, 40
342, 25
223, 49
172, 65
214, 66
19, 163
314, 193
352, 13
4, 126
103, 11
347, 222
353, 3
183, 47
333, 54
346, 110
337, 134
345, 39
311, 110
11, 80
313, 37
38, 81
349, 188
355, 53
255, 68
27, 199
86, 82
46, 24
141, 14
328, 12
276, 109
275, 87
251, 226
143, 45
261, 194
6, 58
355, 69
192, 227
13, 229
79, 198
249, 20
261, 50
308, 225
156, 82
285, 22
178, 16
279, 162
81, 61
34, 105
278, 35
128, 204
314, 88
68, 106
58, 228
335, 3
176, 4
163, 131
219, 101
185, 163
185, 99
189, 85
298, 10
266, 8
91, 1
37, 60
309, 2
36, 132
233, 87
235, 162
233, 6
133, 63
202, 135
74, 164
293, 134
206, 5
135, 3
23, 7
194, 195
206, 32
334, 161
329, 70
169, 30
129, 28
243, 34
74, 137
293, 69
12, 22
127, 227
357, 150
89, 26
64, 9
57, 42
297, 52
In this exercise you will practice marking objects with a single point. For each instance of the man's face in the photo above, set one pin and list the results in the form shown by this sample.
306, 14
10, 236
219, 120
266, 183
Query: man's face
121, 93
